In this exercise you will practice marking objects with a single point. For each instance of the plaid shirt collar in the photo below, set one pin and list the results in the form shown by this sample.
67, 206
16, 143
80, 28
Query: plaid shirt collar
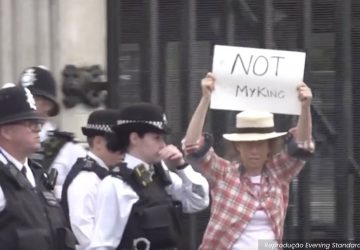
244, 176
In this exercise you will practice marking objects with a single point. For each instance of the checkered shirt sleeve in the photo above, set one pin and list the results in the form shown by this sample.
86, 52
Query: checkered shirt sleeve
288, 163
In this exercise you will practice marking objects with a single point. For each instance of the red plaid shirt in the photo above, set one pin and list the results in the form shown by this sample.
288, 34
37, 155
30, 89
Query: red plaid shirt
234, 200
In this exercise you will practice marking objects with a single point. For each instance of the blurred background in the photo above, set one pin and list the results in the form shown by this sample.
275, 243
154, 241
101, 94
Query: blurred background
158, 50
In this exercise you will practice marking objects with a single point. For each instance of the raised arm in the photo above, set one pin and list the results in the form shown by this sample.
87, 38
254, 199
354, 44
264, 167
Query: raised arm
197, 121
302, 147
198, 148
304, 125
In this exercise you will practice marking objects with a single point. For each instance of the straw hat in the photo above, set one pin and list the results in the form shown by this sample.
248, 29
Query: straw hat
254, 126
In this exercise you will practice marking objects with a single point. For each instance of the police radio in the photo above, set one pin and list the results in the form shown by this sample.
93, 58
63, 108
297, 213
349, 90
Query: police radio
49, 178
142, 175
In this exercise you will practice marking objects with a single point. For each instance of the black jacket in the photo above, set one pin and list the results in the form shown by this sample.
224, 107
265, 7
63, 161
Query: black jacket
155, 216
32, 218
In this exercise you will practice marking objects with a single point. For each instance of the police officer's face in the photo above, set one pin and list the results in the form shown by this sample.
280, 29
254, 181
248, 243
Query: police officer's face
108, 156
147, 147
112, 158
25, 135
43, 105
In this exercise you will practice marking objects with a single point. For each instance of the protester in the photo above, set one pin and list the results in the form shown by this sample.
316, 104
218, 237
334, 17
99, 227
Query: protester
59, 148
139, 205
30, 218
81, 184
250, 196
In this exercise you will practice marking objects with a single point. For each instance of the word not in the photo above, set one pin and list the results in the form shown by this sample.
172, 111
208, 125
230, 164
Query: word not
259, 92
260, 66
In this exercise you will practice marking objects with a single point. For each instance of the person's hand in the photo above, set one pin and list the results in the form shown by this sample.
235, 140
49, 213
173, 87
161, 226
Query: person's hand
172, 156
191, 148
208, 85
304, 94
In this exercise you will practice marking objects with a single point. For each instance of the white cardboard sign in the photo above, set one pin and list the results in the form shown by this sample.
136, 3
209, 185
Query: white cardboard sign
260, 79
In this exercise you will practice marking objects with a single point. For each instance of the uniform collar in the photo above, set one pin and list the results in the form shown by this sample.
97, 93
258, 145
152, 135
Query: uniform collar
5, 157
133, 161
97, 159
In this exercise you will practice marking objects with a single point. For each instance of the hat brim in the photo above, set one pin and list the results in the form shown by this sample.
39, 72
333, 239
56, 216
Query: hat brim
92, 132
21, 117
253, 136
135, 126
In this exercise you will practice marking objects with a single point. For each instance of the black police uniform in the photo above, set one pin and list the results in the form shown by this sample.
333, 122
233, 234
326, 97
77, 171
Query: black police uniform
32, 218
155, 216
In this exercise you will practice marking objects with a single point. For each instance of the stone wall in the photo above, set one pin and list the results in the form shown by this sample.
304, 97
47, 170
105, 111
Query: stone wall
52, 33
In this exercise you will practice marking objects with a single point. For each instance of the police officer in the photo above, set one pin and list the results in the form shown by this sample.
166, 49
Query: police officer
41, 83
139, 204
30, 216
59, 149
80, 187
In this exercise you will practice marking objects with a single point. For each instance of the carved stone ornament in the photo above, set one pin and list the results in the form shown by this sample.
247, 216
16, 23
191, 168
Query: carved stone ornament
85, 85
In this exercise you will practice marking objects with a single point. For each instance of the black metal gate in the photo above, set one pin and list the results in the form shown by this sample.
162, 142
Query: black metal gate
158, 50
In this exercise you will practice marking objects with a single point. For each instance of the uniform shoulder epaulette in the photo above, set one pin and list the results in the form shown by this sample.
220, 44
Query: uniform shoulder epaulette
52, 145
88, 163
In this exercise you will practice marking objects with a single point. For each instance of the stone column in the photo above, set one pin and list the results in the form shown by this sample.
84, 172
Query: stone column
79, 38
